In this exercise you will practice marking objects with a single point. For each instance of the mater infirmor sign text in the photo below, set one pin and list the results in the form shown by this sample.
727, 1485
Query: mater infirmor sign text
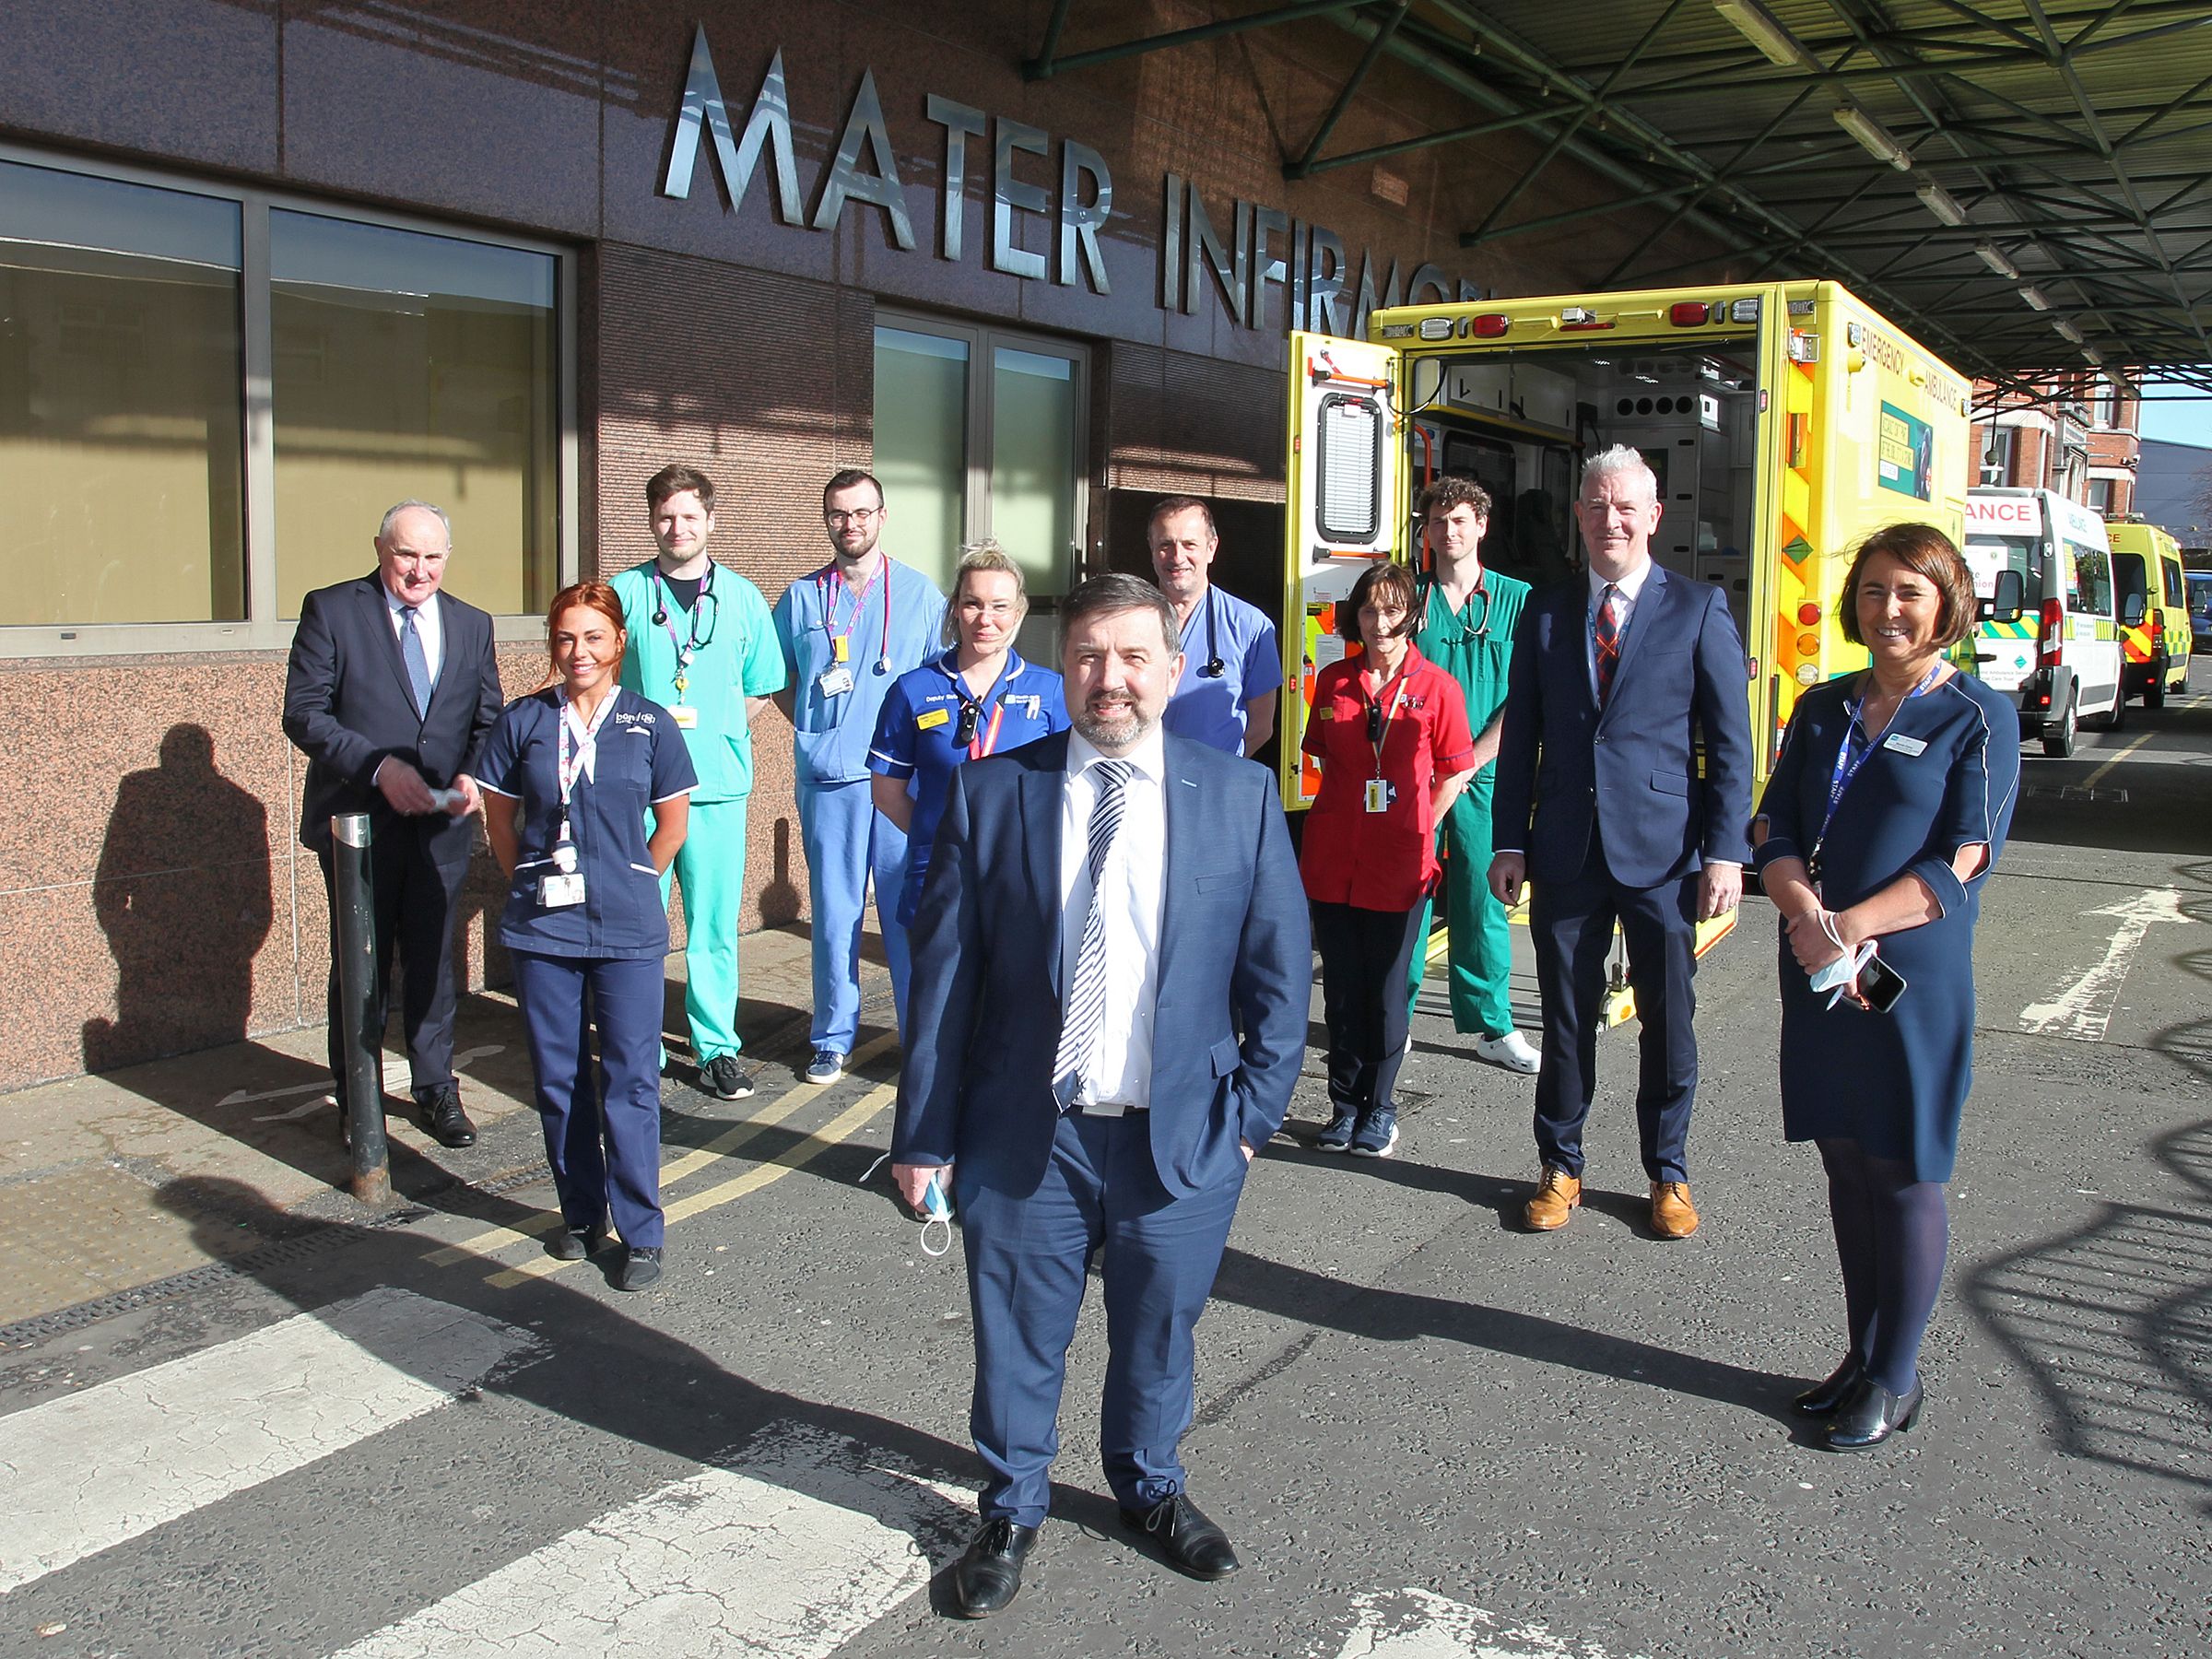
1265, 250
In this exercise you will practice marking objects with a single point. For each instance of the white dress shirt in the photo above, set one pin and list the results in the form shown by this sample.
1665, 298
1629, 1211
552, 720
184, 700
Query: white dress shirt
427, 626
1133, 893
1624, 606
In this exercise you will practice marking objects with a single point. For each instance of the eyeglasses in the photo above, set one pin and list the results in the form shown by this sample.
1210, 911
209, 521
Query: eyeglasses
859, 516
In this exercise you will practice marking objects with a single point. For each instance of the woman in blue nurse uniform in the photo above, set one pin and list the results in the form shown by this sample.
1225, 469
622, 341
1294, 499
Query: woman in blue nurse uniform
979, 698
568, 776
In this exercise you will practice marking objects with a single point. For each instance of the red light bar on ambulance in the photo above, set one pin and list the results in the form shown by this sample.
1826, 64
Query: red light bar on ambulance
1690, 313
1490, 326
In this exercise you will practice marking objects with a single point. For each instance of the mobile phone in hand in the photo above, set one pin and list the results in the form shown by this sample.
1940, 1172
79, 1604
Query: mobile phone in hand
1881, 986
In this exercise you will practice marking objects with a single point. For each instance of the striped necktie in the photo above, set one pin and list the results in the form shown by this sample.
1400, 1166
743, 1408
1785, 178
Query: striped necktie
1608, 641
1087, 1000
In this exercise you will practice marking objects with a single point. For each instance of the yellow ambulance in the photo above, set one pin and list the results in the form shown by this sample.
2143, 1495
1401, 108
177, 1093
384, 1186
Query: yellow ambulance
1784, 421
2154, 610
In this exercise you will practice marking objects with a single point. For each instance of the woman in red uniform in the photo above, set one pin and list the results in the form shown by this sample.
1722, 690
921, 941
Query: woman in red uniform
1390, 730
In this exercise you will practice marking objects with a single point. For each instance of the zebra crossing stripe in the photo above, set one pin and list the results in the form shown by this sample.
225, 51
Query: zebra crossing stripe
92, 1470
806, 1540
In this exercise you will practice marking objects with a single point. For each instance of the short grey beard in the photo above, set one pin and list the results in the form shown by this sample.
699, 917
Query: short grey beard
1105, 738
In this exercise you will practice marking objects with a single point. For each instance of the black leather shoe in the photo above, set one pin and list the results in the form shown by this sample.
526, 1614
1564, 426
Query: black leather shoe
1871, 1415
641, 1267
1188, 1539
988, 1573
448, 1123
569, 1245
1822, 1398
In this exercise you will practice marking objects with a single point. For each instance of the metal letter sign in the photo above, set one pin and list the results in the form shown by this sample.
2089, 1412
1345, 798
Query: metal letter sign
845, 182
770, 121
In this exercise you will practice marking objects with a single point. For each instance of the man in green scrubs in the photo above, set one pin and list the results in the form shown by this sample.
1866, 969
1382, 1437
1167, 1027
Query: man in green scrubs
1467, 628
702, 646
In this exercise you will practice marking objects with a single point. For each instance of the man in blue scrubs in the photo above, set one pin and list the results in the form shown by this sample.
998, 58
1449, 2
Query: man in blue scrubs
1232, 666
702, 646
849, 630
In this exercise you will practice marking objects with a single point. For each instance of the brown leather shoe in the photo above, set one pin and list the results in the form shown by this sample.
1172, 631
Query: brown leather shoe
1557, 1195
1672, 1217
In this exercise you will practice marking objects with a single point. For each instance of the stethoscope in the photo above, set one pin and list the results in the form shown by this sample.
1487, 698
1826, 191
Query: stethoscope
706, 598
1214, 667
1481, 630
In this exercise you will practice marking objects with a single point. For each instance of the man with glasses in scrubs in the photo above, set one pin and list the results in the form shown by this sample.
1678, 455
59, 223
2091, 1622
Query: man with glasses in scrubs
1467, 617
702, 646
849, 630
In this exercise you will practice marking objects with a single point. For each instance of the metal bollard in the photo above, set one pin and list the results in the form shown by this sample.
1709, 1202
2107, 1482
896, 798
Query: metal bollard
356, 933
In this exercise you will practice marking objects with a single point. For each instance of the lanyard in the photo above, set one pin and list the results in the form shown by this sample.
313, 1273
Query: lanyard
1856, 746
982, 738
830, 584
1379, 728
686, 651
587, 739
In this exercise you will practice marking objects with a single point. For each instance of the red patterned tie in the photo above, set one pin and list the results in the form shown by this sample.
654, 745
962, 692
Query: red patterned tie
1608, 641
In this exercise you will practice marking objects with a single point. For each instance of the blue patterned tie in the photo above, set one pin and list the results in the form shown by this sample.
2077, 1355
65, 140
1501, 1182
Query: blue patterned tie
417, 659
1086, 1002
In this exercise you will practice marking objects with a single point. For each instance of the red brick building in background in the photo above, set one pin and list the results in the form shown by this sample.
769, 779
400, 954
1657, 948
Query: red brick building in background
2076, 436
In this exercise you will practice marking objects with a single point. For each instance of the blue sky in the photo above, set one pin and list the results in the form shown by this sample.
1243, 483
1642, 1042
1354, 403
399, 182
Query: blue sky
2178, 422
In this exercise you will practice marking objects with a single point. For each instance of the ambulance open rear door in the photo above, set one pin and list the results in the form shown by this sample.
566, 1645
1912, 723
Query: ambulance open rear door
1345, 476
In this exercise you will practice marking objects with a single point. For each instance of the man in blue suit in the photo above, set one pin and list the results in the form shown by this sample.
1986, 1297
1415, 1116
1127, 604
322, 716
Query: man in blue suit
1617, 679
1106, 908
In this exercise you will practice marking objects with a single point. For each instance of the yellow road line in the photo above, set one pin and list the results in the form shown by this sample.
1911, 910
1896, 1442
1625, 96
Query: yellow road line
797, 1156
722, 1145
2115, 760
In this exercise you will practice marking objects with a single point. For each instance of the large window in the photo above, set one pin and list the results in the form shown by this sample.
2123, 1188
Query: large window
209, 397
979, 431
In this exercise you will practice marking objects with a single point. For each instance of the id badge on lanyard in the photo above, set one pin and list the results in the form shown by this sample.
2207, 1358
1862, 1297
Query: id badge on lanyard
1379, 792
837, 680
565, 887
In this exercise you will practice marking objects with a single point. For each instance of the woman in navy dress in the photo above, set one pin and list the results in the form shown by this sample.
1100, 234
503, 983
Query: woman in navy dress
1889, 802
570, 775
977, 697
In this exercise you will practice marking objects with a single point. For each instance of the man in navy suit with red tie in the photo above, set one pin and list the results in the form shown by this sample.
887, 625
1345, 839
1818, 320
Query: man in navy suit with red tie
1617, 677
391, 688
1107, 909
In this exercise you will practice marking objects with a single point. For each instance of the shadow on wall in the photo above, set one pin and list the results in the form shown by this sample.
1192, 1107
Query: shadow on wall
2113, 1322
183, 894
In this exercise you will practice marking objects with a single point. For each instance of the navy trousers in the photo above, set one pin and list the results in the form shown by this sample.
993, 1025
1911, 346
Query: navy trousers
606, 1152
1027, 1262
1571, 923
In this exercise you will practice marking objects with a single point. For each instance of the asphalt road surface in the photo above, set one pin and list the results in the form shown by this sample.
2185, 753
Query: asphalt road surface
1429, 1433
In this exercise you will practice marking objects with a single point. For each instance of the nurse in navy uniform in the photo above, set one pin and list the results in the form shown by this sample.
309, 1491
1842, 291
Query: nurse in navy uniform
570, 775
1889, 803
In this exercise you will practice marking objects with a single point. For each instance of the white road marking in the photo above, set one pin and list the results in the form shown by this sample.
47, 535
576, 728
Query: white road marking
92, 1470
1420, 1624
395, 1082
2083, 1010
803, 1543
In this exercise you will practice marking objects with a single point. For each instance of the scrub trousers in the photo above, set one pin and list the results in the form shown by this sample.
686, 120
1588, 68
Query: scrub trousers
847, 841
710, 865
605, 1151
1479, 968
1363, 958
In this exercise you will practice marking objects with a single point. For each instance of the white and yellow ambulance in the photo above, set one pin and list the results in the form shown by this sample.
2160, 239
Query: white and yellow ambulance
1783, 420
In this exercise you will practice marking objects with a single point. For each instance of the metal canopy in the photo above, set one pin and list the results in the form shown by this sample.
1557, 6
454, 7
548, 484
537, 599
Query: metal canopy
2025, 184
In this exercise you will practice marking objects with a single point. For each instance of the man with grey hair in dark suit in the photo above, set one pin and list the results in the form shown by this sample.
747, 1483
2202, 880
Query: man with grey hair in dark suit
391, 688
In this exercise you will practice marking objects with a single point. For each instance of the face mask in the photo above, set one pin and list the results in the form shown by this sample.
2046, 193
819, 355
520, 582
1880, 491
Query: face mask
936, 1208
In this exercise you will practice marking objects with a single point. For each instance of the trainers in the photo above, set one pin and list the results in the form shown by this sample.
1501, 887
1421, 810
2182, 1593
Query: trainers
725, 1079
827, 1066
641, 1267
1377, 1134
571, 1245
1512, 1050
1337, 1136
